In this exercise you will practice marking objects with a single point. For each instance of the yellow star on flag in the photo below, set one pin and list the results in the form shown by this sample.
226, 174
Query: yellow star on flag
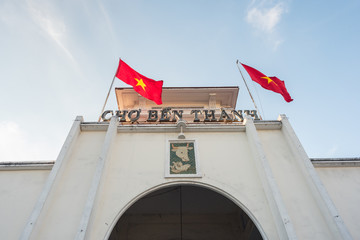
269, 80
140, 83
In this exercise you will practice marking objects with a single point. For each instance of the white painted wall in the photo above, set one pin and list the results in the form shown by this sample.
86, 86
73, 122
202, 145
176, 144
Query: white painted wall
62, 211
343, 185
135, 166
19, 191
302, 207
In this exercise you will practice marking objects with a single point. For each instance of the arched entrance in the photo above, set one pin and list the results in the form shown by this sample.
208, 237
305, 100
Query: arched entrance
184, 212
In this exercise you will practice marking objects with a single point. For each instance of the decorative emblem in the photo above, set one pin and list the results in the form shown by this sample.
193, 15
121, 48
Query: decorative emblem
182, 160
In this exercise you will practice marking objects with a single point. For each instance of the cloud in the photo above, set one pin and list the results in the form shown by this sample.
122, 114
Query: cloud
16, 145
50, 24
265, 19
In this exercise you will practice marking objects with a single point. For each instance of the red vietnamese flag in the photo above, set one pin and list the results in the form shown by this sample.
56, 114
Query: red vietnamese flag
270, 83
146, 87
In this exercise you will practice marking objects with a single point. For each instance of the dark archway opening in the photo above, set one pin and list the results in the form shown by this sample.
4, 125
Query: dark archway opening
185, 213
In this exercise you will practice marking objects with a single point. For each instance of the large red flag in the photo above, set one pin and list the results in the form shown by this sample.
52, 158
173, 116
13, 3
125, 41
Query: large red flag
146, 87
270, 83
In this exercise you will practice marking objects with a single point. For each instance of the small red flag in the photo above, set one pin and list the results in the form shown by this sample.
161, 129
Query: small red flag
270, 83
146, 87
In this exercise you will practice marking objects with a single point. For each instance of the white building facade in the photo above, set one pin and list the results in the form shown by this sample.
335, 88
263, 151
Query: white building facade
193, 168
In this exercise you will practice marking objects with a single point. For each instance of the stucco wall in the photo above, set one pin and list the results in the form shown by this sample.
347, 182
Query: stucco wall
137, 163
19, 190
343, 185
299, 200
135, 166
62, 211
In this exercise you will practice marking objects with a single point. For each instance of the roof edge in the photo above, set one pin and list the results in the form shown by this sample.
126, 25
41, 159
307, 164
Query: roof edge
27, 165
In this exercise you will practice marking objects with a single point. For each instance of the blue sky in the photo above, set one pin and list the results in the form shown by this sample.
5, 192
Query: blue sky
58, 59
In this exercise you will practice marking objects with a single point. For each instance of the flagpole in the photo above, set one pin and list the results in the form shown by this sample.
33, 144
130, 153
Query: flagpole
109, 91
237, 64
